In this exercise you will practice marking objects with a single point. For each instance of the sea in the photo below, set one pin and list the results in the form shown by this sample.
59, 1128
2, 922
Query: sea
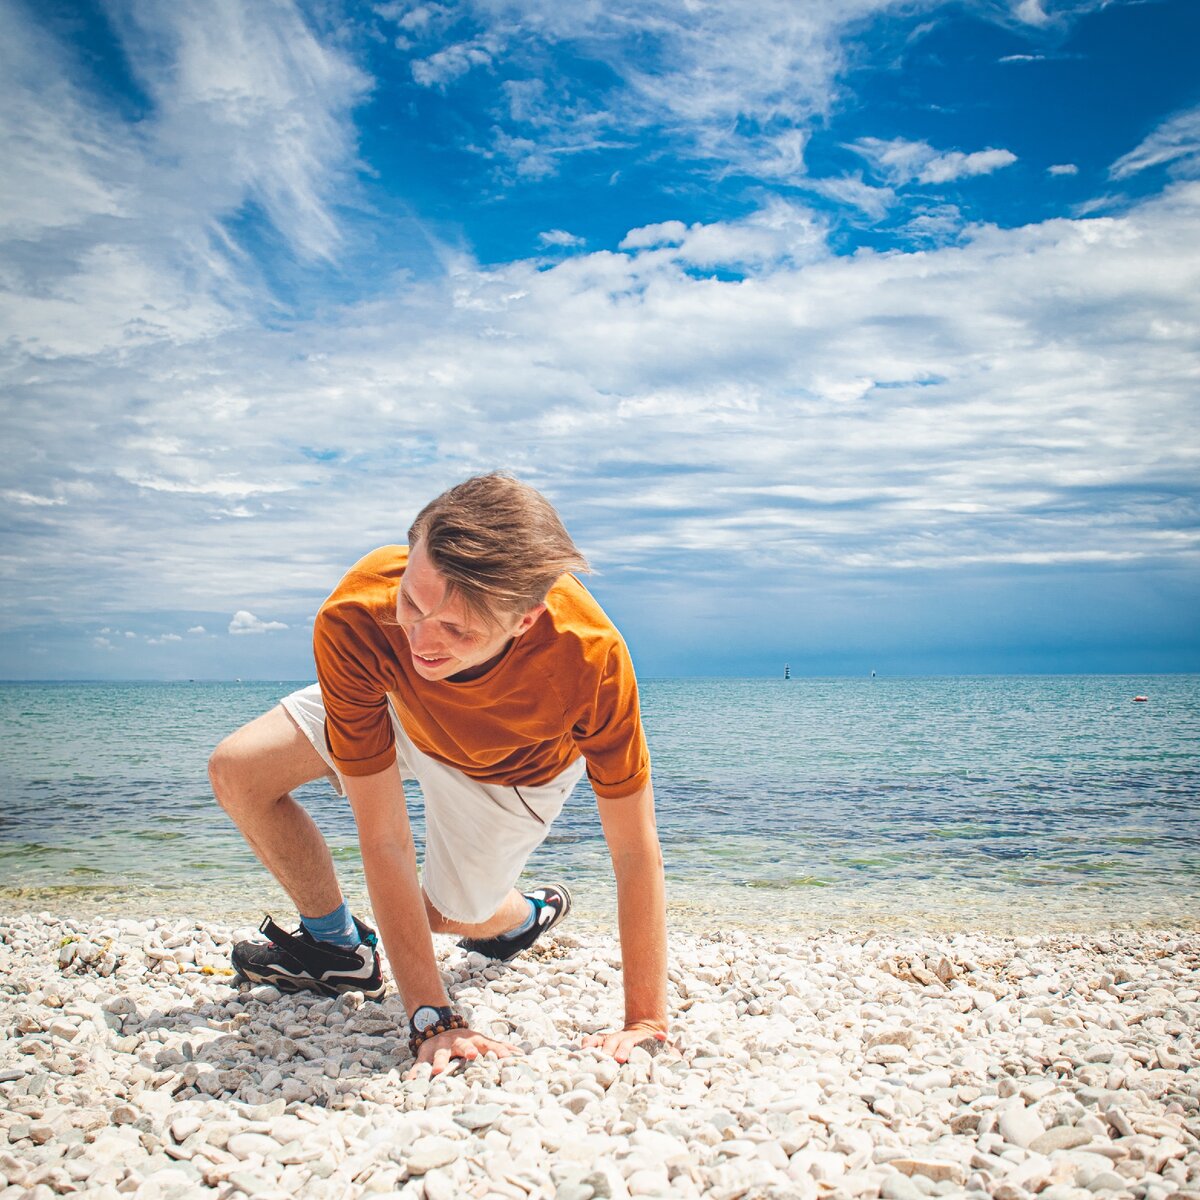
1017, 805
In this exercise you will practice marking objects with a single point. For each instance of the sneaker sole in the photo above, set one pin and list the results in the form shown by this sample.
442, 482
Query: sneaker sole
290, 983
561, 915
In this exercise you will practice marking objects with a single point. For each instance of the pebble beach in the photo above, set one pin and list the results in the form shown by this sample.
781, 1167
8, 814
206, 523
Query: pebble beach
857, 1064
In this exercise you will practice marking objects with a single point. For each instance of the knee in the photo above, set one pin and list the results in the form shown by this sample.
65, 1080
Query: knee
227, 772
437, 923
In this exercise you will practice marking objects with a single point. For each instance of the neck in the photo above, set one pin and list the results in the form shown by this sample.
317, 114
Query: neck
480, 669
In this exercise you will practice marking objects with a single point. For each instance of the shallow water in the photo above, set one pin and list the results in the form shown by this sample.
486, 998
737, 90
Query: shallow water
1011, 803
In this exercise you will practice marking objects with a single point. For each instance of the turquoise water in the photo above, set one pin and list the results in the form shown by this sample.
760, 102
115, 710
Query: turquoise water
1016, 804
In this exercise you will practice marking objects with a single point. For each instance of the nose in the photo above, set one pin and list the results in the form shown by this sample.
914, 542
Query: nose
424, 642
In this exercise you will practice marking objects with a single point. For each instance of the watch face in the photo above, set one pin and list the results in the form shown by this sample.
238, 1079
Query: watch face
425, 1016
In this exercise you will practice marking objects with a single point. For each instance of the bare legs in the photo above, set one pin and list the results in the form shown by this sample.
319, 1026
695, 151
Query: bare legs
511, 913
253, 772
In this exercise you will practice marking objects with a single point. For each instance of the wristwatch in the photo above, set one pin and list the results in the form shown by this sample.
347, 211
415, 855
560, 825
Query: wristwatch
427, 1015
428, 1021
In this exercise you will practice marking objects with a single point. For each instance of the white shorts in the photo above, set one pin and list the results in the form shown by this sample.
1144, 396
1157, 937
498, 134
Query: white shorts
478, 836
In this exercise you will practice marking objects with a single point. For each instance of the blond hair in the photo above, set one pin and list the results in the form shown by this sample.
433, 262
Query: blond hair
497, 543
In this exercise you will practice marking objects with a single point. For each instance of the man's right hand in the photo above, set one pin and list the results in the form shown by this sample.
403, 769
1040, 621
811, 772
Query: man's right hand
457, 1043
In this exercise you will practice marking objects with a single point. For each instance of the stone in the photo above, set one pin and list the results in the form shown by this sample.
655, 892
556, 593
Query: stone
1020, 1126
430, 1152
247, 1145
934, 1169
1107, 1181
900, 1187
1060, 1137
931, 1080
649, 1181
479, 1116
576, 1101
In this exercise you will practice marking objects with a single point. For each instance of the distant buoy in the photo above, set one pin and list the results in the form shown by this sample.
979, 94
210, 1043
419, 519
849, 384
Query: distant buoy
1140, 699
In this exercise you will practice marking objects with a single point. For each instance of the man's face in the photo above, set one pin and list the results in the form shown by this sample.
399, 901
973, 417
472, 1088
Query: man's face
444, 637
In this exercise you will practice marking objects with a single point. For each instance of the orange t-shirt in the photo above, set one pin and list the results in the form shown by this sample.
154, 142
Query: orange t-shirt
565, 687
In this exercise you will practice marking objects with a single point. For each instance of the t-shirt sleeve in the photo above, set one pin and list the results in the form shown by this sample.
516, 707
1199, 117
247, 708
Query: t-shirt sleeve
608, 730
358, 724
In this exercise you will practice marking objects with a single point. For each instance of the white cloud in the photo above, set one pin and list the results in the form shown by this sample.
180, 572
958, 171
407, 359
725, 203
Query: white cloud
1062, 169
249, 97
934, 223
956, 165
1031, 12
452, 62
559, 237
197, 629
737, 88
665, 233
163, 639
1175, 142
62, 166
115, 234
738, 93
27, 499
853, 190
779, 232
1019, 396
723, 396
246, 622
901, 161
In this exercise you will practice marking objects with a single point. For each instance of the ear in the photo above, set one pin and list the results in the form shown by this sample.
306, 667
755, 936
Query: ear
529, 619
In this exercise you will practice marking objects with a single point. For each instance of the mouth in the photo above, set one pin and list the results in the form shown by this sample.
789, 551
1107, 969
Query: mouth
431, 661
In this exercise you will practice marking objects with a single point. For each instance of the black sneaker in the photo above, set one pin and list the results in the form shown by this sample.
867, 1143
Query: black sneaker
552, 901
296, 962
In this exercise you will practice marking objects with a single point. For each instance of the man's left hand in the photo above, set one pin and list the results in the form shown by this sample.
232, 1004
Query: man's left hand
618, 1045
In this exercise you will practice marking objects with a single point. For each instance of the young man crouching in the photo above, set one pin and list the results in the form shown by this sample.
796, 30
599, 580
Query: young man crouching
471, 661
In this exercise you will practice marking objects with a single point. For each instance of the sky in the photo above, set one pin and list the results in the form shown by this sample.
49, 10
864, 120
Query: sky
852, 334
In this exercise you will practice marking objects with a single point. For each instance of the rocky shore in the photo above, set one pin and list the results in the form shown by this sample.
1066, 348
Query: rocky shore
856, 1065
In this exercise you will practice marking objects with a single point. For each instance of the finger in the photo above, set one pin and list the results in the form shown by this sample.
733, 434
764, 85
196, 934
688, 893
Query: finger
465, 1048
492, 1046
441, 1059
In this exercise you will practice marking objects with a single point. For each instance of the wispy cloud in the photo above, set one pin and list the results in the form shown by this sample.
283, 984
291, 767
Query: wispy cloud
900, 161
559, 237
1176, 142
114, 235
854, 191
836, 415
737, 93
729, 397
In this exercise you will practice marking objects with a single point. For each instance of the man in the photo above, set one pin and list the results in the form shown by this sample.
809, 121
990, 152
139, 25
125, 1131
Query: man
472, 661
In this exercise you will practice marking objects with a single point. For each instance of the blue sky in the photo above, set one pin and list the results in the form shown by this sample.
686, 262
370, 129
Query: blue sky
853, 334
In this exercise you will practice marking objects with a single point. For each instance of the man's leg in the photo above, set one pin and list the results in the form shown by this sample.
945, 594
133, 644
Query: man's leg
253, 772
512, 912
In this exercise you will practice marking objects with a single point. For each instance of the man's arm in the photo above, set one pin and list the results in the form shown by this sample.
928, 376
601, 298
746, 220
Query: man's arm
390, 866
632, 838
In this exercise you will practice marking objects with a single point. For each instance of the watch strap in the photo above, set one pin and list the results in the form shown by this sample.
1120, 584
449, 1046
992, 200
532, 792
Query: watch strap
447, 1019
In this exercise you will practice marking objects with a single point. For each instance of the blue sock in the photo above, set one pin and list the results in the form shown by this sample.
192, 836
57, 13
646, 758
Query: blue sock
525, 924
337, 927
